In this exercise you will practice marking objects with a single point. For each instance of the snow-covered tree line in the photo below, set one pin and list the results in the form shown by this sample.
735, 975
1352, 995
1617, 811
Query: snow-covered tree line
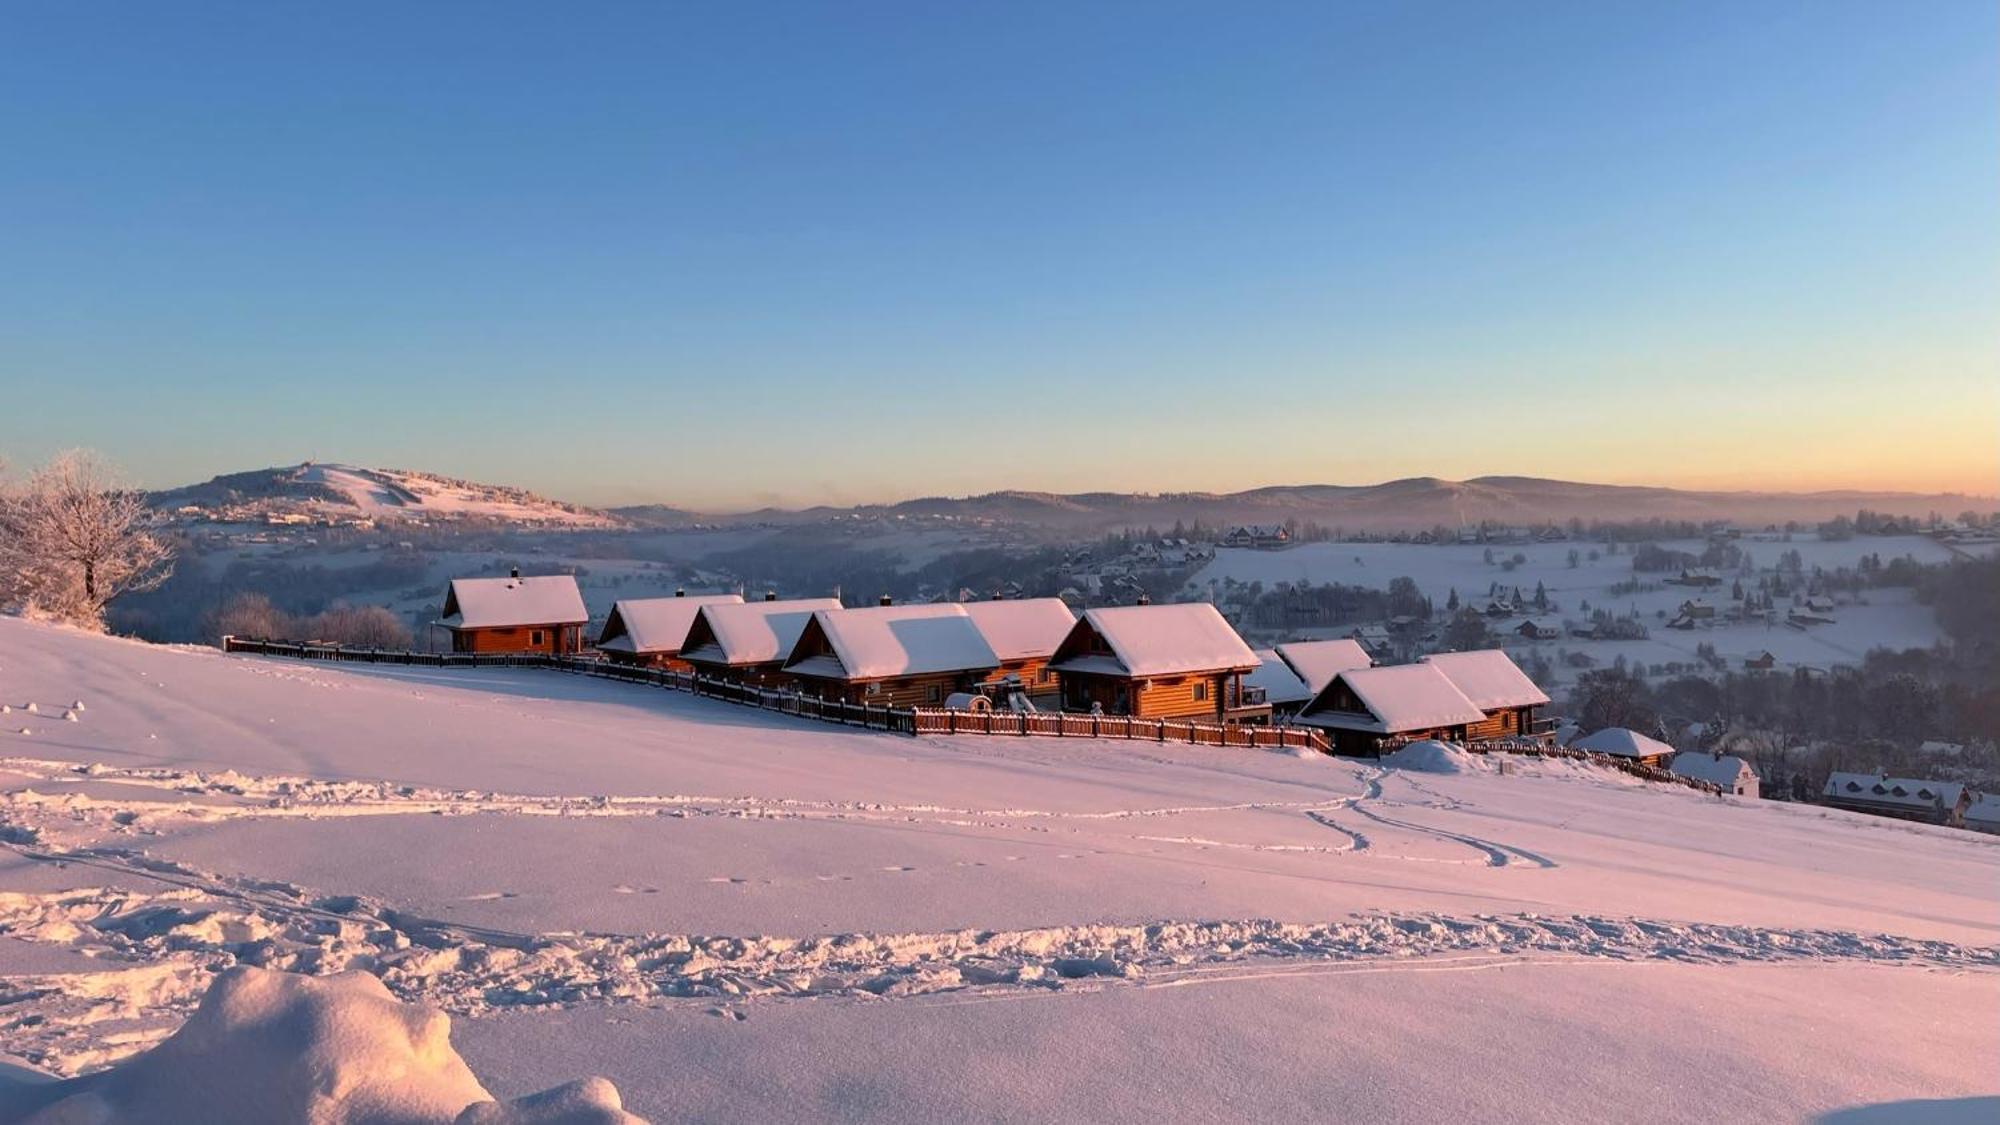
73, 537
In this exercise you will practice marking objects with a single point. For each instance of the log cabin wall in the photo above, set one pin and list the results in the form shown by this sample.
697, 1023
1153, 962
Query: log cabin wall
522, 638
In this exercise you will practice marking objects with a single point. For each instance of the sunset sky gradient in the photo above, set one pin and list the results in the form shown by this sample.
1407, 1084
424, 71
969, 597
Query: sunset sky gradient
728, 255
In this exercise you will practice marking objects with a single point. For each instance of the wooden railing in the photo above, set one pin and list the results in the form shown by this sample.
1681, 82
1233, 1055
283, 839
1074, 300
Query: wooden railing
930, 720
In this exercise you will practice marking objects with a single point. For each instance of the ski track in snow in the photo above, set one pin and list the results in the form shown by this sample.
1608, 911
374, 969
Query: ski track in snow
159, 948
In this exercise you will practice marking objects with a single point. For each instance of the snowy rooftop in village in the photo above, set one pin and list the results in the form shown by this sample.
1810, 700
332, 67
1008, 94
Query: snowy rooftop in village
756, 632
1726, 770
642, 625
1318, 662
1489, 678
1024, 628
1622, 743
1281, 684
880, 642
1165, 640
1400, 697
1914, 792
485, 603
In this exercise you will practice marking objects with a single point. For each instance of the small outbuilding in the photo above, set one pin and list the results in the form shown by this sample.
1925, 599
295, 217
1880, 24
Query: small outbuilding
514, 614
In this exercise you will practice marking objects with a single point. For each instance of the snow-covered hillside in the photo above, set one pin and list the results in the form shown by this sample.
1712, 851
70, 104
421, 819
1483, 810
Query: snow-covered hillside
735, 916
318, 490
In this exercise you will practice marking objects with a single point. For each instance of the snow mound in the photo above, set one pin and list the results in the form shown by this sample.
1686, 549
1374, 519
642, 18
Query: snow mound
1432, 757
268, 1046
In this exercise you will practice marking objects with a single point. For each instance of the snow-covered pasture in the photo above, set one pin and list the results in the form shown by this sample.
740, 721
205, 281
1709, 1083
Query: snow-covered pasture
738, 916
1889, 618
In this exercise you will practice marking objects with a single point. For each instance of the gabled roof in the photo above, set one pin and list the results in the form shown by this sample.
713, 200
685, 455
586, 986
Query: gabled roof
751, 632
489, 603
888, 641
1318, 662
1725, 771
644, 625
1489, 678
1984, 809
1022, 629
1156, 640
1281, 683
1622, 743
1398, 698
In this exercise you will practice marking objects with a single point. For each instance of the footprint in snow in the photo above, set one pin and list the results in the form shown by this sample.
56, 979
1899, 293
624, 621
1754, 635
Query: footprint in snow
727, 879
625, 890
489, 896
895, 867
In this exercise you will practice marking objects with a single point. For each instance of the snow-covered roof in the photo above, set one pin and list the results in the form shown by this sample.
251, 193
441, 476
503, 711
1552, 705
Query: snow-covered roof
754, 632
1726, 771
655, 624
1281, 683
1623, 743
1025, 628
1401, 697
1163, 640
1489, 678
488, 603
881, 642
1911, 792
1984, 809
1318, 662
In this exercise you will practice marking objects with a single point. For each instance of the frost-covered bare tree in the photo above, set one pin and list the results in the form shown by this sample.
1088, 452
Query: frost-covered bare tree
73, 537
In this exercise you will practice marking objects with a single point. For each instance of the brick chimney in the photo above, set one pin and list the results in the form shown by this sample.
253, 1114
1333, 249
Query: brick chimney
680, 591
1145, 598
886, 600
770, 595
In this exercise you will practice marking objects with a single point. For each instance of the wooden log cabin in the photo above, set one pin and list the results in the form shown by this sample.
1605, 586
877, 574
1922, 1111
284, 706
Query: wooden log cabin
747, 643
1292, 674
891, 655
650, 631
1159, 662
1496, 685
1364, 708
515, 614
1024, 634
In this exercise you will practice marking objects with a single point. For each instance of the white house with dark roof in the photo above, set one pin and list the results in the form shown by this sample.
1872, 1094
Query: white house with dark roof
1732, 773
650, 631
1179, 661
515, 614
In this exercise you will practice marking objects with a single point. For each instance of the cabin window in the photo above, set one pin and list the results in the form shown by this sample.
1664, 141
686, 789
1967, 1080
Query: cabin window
935, 693
875, 688
1046, 676
535, 636
1201, 691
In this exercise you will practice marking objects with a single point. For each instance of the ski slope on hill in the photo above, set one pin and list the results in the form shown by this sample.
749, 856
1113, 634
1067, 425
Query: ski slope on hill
736, 916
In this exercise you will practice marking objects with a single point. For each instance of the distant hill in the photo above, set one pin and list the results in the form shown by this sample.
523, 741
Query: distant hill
1410, 504
324, 490
344, 492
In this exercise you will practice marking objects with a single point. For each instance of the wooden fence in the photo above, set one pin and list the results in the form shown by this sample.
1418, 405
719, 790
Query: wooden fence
1056, 724
1538, 746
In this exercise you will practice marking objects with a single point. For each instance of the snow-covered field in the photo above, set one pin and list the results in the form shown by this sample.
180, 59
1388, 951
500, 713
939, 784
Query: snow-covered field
735, 916
1887, 617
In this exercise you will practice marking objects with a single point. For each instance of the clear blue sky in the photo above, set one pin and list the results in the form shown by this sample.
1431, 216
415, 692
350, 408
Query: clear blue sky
731, 254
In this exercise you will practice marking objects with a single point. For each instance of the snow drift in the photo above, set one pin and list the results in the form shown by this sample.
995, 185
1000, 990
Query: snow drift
267, 1046
1431, 757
